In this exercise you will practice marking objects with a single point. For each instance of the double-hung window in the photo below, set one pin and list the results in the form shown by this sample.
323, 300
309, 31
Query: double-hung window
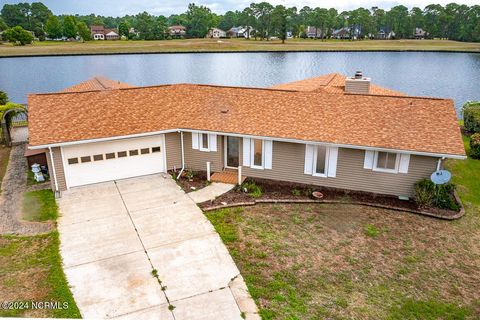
204, 143
320, 160
386, 161
257, 154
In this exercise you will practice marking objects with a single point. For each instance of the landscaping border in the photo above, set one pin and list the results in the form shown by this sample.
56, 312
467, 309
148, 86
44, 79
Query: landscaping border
460, 213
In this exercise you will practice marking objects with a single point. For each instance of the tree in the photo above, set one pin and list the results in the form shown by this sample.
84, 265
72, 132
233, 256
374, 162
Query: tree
229, 20
263, 17
144, 25
398, 21
84, 31
18, 35
53, 28
3, 25
69, 27
16, 15
124, 29
248, 20
281, 17
159, 28
3, 98
199, 20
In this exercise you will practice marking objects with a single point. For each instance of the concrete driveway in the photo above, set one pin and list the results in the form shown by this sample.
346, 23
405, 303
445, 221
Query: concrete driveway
114, 234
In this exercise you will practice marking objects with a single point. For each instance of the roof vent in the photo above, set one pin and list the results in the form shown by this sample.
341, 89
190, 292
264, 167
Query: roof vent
224, 111
357, 84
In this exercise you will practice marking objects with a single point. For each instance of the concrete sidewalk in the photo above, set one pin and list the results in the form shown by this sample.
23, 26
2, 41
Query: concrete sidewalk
114, 234
210, 192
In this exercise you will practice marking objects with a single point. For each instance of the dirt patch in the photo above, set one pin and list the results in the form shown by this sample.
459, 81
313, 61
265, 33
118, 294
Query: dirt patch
195, 183
4, 155
341, 261
279, 190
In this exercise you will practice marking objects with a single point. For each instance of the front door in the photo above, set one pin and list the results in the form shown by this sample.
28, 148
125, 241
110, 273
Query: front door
232, 152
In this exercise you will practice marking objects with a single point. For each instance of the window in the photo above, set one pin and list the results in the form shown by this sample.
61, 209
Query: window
155, 149
257, 153
386, 161
122, 154
110, 156
86, 159
145, 151
73, 161
98, 157
133, 152
320, 161
204, 143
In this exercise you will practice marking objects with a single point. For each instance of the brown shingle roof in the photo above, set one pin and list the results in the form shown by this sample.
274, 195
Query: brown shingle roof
97, 83
393, 122
331, 83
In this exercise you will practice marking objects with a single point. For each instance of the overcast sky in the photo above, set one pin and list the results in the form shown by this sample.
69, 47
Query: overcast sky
167, 7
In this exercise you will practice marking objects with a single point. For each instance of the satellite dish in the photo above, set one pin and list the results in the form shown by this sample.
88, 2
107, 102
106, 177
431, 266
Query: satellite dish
441, 177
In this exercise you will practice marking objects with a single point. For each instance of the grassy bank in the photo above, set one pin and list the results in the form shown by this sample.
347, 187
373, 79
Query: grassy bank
4, 158
210, 45
350, 262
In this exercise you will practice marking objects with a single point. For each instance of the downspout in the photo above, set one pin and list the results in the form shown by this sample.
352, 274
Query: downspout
53, 170
183, 155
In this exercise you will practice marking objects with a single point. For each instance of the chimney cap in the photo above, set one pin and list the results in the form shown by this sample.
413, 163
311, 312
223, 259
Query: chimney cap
358, 75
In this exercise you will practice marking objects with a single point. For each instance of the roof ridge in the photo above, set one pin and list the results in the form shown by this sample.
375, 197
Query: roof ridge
100, 82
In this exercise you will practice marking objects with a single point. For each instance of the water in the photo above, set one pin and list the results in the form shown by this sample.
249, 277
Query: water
446, 75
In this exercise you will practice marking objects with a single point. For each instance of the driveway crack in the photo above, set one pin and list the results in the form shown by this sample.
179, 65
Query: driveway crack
154, 272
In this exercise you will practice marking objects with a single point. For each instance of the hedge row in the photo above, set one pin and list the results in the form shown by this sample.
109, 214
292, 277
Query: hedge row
471, 116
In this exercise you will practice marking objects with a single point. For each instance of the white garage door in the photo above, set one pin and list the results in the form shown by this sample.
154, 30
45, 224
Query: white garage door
106, 161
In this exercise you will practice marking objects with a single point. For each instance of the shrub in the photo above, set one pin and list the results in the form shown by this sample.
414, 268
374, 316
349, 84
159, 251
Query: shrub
471, 116
18, 35
252, 189
190, 174
475, 146
427, 194
296, 192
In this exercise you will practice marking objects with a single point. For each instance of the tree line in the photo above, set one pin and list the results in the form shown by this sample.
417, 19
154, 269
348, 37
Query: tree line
452, 21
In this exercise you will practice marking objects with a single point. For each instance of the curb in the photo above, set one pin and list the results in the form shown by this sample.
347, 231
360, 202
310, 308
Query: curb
366, 204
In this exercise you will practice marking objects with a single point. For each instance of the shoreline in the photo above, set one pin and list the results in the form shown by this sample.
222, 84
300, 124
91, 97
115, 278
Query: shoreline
39, 55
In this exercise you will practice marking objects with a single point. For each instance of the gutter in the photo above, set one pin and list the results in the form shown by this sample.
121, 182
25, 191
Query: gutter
183, 154
348, 146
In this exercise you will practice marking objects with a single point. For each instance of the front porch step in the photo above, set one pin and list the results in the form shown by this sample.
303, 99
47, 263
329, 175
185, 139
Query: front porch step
230, 177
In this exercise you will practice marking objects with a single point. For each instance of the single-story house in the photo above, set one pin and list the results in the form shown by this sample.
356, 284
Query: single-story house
216, 33
99, 32
333, 131
419, 33
177, 31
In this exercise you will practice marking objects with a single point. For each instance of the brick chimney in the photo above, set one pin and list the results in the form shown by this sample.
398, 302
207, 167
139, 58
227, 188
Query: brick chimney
357, 84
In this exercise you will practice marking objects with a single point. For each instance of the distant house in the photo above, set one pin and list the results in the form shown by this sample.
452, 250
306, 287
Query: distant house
177, 31
99, 32
311, 32
133, 32
420, 33
241, 32
352, 32
216, 33
384, 34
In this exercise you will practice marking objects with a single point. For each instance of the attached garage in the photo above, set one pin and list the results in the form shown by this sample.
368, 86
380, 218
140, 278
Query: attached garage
111, 160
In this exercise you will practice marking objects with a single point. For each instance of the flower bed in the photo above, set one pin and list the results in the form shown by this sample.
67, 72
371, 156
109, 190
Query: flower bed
190, 181
276, 191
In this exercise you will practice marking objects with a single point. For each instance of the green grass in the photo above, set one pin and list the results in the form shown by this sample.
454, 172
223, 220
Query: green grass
4, 158
341, 261
39, 206
230, 45
31, 270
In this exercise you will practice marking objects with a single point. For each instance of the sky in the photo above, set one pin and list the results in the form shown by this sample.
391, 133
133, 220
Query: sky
168, 7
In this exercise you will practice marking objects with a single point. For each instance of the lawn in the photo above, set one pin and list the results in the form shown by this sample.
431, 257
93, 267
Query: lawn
4, 157
39, 206
211, 45
340, 261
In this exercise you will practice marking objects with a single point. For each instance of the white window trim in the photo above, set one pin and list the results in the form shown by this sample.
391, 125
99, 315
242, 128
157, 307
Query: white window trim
252, 154
315, 157
200, 142
397, 163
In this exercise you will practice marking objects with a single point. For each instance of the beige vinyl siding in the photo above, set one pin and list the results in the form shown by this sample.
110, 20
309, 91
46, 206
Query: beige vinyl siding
197, 160
288, 165
59, 170
173, 149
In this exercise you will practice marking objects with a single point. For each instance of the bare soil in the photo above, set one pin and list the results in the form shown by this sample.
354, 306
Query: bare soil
198, 182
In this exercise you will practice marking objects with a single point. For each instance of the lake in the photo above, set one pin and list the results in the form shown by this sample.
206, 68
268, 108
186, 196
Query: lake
446, 75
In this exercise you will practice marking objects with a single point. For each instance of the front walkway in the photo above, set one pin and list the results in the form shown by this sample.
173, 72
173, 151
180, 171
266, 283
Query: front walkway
114, 235
210, 192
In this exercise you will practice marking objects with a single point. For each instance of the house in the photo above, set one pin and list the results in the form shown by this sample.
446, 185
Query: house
419, 33
333, 131
99, 32
235, 32
216, 33
385, 35
177, 31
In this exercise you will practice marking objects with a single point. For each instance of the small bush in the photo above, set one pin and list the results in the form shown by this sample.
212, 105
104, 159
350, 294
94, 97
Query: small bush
296, 192
424, 193
471, 116
252, 189
475, 146
190, 174
427, 194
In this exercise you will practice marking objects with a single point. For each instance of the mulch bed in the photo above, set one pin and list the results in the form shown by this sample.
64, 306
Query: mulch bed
276, 191
198, 182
